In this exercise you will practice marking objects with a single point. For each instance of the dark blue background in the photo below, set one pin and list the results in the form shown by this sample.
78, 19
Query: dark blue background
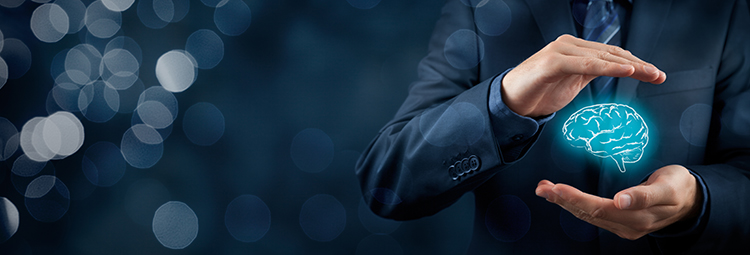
301, 64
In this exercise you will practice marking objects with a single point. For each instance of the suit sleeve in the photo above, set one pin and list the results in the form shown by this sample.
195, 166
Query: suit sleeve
724, 227
442, 142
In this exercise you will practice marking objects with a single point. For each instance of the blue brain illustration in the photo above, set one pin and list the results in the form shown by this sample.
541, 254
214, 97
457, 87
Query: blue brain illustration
608, 130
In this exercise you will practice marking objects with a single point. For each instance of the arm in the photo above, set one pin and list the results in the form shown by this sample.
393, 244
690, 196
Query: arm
445, 140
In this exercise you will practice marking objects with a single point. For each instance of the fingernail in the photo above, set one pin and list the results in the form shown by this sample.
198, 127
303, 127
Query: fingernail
625, 67
650, 69
625, 201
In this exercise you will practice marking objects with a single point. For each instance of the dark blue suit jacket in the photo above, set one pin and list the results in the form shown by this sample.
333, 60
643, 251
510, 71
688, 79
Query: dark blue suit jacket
699, 118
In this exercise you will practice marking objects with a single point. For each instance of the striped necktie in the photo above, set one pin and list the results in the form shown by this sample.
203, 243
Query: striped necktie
602, 25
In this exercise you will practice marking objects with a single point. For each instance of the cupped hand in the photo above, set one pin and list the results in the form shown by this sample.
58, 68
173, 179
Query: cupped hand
551, 78
669, 195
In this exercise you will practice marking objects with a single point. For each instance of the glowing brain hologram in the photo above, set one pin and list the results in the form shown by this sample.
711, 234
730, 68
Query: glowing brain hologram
608, 130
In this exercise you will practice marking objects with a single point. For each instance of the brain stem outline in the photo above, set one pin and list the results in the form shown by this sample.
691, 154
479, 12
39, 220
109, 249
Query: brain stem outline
609, 130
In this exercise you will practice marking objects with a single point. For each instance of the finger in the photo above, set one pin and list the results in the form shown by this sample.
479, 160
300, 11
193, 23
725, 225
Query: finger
544, 189
645, 196
578, 65
644, 71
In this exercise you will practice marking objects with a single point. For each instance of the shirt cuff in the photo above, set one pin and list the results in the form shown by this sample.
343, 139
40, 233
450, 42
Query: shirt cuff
684, 228
512, 131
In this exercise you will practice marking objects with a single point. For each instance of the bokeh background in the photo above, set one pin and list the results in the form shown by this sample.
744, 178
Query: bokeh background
244, 144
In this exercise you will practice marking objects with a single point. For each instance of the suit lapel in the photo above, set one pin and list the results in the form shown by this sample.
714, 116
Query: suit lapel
646, 23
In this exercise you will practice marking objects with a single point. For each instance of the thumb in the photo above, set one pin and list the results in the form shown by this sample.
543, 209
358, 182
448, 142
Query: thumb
638, 197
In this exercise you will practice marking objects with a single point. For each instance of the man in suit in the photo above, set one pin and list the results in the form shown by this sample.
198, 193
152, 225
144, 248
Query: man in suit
478, 121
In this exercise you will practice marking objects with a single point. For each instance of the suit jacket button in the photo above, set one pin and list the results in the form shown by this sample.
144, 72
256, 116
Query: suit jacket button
474, 163
459, 168
452, 172
465, 165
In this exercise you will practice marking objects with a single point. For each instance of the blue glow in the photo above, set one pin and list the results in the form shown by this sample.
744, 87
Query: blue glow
175, 225
232, 18
508, 218
203, 124
610, 130
322, 218
464, 49
247, 218
312, 150
103, 164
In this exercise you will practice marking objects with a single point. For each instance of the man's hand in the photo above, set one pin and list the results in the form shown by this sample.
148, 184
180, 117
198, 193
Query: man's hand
551, 78
670, 194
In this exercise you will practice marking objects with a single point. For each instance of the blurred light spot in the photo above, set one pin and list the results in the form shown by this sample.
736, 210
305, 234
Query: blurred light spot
322, 218
379, 244
206, 47
17, 57
25, 167
508, 218
147, 15
175, 225
58, 64
735, 116
385, 196
47, 198
9, 139
694, 124
82, 64
164, 132
63, 133
2, 38
128, 44
49, 23
312, 150
181, 9
374, 223
164, 9
439, 125
101, 21
55, 137
214, 3
98, 101
154, 114
20, 183
65, 93
76, 10
161, 95
203, 124
117, 5
175, 71
474, 3
493, 18
363, 4
3, 72
143, 198
11, 3
138, 153
119, 68
577, 229
103, 164
9, 219
464, 49
232, 18
129, 97
247, 218
40, 1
